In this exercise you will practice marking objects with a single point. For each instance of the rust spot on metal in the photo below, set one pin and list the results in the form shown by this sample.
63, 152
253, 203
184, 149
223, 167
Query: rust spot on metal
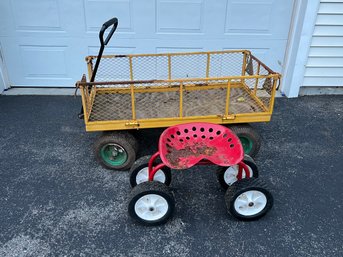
83, 79
100, 83
89, 59
262, 64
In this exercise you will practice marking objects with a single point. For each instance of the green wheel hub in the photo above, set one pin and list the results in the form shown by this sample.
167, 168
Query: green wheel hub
247, 144
113, 154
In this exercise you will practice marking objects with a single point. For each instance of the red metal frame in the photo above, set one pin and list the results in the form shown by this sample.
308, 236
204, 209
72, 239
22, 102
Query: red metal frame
152, 170
242, 166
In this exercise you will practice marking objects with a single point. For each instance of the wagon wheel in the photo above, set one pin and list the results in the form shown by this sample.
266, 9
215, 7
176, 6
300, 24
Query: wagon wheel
116, 150
249, 137
139, 172
248, 199
228, 175
151, 203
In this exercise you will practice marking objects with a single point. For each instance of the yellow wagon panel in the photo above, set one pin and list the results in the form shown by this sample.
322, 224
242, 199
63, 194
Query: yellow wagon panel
160, 90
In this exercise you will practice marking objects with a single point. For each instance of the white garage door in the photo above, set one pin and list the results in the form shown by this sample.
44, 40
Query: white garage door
44, 42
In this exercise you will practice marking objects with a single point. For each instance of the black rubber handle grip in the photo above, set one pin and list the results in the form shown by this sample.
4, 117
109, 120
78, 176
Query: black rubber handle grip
112, 22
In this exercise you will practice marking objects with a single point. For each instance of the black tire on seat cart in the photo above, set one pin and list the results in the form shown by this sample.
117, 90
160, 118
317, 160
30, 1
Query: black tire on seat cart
249, 137
116, 150
151, 203
139, 172
228, 175
248, 199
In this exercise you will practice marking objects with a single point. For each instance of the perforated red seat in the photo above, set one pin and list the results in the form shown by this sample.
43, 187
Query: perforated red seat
183, 146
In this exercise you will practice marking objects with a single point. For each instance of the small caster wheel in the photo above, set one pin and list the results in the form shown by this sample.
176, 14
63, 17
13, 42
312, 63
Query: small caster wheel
116, 150
249, 137
139, 172
228, 175
151, 203
248, 199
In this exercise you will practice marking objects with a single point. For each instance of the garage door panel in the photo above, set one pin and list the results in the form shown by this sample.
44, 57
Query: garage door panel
136, 18
174, 16
253, 21
50, 63
261, 17
28, 15
52, 18
36, 61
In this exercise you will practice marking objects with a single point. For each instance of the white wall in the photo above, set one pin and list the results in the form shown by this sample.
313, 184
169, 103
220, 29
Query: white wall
314, 59
300, 35
324, 67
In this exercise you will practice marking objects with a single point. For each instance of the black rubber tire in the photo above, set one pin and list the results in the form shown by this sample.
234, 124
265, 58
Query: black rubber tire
143, 162
151, 187
242, 186
247, 131
122, 138
247, 160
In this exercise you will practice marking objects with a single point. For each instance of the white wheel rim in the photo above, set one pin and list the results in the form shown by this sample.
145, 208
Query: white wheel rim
142, 176
250, 203
230, 175
151, 207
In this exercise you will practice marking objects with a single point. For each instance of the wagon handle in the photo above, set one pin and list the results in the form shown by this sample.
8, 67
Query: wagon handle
114, 23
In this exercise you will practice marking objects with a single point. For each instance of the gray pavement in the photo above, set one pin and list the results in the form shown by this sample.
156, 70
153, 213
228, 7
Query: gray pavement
55, 200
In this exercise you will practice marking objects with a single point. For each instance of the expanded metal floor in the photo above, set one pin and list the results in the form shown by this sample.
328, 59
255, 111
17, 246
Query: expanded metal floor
114, 106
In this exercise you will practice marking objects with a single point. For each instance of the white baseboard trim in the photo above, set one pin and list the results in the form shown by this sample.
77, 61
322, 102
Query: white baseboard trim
321, 91
40, 91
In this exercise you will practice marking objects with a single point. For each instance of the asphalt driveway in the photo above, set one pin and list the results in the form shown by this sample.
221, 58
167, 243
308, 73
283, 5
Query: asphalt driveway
55, 200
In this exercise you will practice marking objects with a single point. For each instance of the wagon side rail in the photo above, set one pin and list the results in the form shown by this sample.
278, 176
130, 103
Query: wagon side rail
167, 66
181, 87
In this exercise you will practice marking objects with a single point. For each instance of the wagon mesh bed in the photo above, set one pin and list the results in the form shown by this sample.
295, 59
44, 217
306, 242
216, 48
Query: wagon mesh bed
158, 90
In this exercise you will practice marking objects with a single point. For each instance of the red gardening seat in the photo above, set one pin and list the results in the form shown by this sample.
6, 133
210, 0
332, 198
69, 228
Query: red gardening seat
183, 146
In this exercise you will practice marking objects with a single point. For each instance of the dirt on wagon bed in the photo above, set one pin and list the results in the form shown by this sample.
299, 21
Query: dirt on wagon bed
112, 106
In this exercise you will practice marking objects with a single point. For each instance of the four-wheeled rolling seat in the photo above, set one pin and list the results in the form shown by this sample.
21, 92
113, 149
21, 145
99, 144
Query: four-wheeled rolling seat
183, 146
